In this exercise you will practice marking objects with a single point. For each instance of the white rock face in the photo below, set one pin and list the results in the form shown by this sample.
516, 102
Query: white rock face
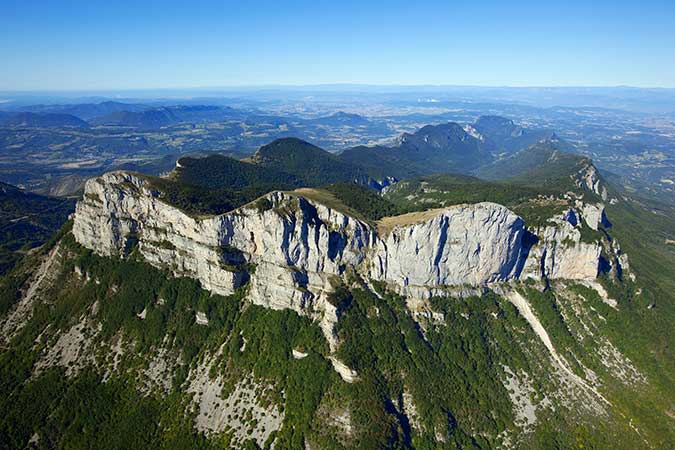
593, 214
471, 131
590, 179
559, 253
292, 251
295, 245
347, 374
467, 244
201, 319
290, 233
119, 208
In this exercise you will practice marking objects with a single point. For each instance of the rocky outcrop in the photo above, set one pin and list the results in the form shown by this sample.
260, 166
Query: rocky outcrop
466, 244
120, 212
560, 253
347, 374
288, 246
298, 246
589, 178
292, 251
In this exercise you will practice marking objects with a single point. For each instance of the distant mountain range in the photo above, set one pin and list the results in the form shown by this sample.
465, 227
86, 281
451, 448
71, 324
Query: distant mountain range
41, 120
116, 114
448, 148
217, 183
145, 116
88, 111
165, 116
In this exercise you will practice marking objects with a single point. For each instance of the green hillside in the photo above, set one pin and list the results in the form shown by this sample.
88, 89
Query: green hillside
506, 136
26, 221
444, 148
382, 161
308, 163
546, 163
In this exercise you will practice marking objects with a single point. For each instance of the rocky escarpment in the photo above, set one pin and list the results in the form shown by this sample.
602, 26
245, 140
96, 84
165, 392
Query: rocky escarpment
560, 253
588, 178
466, 244
289, 248
292, 251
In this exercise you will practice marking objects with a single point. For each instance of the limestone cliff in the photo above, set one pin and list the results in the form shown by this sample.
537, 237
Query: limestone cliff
588, 178
560, 253
286, 245
292, 251
466, 244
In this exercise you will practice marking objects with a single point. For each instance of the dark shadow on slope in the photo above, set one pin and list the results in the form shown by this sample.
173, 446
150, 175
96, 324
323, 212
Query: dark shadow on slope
528, 240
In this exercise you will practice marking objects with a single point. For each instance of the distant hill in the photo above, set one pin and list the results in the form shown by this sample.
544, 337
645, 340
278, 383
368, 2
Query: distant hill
341, 118
165, 116
41, 120
445, 145
153, 118
309, 163
87, 111
383, 161
505, 135
432, 149
543, 163
26, 221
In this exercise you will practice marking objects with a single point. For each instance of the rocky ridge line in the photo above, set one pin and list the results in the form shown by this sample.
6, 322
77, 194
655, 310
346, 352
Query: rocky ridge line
292, 251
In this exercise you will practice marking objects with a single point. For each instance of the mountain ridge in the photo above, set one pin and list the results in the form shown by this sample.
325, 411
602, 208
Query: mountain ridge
444, 311
48, 120
154, 117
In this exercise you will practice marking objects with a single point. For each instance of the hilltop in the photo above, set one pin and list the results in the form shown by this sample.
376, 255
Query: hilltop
307, 162
41, 120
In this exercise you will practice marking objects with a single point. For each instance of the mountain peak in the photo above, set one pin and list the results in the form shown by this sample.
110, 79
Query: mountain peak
342, 118
492, 121
345, 115
436, 136
287, 147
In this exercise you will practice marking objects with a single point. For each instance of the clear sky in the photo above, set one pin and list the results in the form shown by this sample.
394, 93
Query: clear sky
119, 44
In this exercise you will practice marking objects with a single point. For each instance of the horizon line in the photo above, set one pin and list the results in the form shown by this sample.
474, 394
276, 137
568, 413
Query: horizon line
324, 86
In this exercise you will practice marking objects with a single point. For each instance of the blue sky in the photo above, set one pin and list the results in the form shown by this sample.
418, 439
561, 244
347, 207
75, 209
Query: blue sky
146, 44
